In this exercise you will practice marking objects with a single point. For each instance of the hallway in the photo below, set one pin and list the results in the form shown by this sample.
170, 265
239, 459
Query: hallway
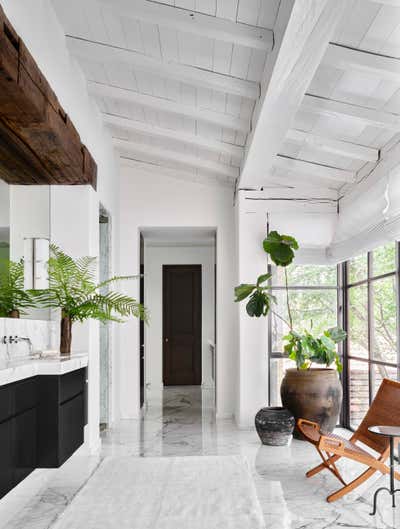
180, 422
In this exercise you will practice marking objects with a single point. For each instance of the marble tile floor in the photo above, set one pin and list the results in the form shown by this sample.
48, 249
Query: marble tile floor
180, 422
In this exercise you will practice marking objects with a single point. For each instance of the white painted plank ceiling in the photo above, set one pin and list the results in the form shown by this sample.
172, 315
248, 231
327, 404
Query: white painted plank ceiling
133, 45
165, 89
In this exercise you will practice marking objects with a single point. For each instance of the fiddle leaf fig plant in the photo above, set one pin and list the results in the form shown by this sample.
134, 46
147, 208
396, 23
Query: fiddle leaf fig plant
280, 248
306, 349
303, 348
260, 299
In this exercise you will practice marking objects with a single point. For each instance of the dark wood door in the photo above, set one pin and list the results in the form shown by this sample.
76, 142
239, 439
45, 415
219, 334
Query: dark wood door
182, 325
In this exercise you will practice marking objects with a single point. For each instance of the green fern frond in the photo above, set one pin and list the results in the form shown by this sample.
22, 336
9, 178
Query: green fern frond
73, 288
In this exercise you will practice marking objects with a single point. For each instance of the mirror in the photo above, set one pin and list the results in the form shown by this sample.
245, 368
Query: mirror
24, 215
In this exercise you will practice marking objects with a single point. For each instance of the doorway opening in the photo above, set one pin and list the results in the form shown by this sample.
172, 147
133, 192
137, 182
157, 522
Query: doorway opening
105, 338
179, 291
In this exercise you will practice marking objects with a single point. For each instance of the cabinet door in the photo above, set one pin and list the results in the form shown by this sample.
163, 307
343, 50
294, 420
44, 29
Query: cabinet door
6, 464
24, 444
71, 427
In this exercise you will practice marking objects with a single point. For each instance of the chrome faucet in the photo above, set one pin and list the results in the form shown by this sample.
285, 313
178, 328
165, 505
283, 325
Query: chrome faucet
28, 340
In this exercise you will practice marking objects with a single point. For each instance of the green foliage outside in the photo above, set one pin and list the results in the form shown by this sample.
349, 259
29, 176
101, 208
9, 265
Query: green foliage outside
383, 325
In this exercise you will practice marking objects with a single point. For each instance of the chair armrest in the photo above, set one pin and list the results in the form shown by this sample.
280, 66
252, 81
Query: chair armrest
306, 422
330, 444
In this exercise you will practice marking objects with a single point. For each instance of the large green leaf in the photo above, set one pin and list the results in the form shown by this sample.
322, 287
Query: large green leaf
243, 291
280, 248
258, 304
261, 279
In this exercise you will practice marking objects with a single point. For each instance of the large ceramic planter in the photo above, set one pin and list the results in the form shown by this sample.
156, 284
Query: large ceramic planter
314, 394
274, 426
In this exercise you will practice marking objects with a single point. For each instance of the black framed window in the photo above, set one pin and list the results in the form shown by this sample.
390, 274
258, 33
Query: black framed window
371, 351
315, 305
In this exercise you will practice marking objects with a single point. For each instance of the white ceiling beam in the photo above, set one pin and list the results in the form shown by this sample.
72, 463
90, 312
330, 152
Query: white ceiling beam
183, 175
151, 152
166, 105
192, 22
184, 137
385, 68
393, 3
343, 148
310, 28
104, 53
368, 116
313, 169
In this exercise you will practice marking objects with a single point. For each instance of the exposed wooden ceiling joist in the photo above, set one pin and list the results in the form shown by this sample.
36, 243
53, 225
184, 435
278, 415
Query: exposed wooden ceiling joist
369, 116
184, 137
343, 148
313, 169
176, 157
193, 22
308, 32
105, 53
383, 67
166, 105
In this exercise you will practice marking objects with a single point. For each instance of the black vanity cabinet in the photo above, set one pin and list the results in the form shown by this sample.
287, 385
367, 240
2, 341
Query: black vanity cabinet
42, 423
18, 428
61, 417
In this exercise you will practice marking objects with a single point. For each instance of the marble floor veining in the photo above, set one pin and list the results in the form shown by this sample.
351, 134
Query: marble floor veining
180, 422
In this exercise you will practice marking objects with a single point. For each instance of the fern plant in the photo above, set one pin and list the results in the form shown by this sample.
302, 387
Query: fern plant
73, 289
13, 298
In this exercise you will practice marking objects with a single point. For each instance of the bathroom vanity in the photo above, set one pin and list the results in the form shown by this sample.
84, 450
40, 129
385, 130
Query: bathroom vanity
42, 415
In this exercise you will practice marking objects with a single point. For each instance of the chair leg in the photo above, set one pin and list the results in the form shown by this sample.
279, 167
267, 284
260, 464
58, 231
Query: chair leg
352, 485
322, 466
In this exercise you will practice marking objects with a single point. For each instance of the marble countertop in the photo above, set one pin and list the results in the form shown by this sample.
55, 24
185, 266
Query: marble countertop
14, 370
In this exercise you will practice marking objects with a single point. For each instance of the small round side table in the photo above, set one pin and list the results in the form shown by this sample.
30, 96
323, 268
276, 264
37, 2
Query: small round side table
392, 432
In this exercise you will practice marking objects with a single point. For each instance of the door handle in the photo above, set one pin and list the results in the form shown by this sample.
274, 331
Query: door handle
166, 340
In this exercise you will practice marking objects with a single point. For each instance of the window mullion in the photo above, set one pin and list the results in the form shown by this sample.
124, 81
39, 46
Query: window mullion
370, 325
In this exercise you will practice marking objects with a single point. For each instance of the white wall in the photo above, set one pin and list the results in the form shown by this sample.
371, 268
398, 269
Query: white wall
74, 209
154, 259
153, 199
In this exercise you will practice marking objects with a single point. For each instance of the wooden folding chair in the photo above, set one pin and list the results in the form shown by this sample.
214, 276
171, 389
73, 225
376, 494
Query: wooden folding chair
384, 410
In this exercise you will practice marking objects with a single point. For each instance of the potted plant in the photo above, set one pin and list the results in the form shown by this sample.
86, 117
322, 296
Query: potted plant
13, 298
308, 392
73, 289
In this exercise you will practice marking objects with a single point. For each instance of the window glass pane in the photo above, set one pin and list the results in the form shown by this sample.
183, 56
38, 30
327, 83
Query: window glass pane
306, 275
358, 321
384, 331
278, 367
358, 391
379, 372
358, 269
314, 310
384, 259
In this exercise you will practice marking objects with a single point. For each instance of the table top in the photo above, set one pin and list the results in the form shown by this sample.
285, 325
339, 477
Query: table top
388, 431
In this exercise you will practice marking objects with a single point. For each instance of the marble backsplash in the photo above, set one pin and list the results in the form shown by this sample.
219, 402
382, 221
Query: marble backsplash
43, 334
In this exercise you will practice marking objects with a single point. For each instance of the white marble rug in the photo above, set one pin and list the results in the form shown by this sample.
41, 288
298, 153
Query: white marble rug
166, 493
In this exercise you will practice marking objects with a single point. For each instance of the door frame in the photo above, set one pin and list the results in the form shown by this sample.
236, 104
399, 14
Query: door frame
199, 363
